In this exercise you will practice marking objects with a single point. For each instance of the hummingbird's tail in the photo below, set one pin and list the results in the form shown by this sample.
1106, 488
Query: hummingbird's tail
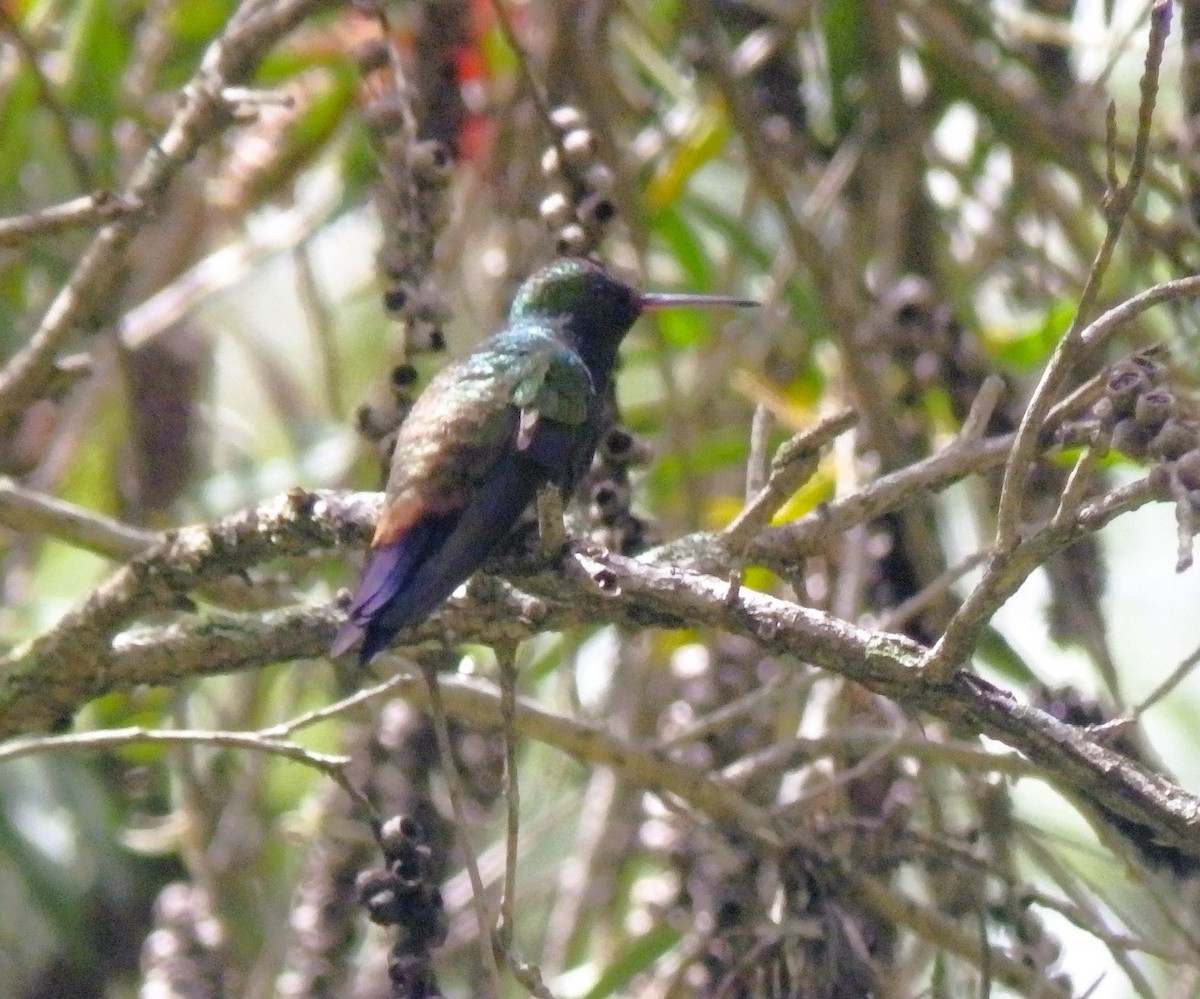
407, 578
385, 577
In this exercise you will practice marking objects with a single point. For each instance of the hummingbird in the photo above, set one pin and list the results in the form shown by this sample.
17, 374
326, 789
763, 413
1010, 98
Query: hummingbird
521, 411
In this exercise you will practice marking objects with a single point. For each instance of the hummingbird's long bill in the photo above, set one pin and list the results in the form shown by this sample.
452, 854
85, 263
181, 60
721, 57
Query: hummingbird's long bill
651, 300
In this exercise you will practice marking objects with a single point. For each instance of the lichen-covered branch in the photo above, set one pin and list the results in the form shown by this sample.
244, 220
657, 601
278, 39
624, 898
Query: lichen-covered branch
44, 681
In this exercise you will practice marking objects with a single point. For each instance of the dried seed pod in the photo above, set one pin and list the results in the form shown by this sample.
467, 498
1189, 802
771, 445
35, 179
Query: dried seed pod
579, 145
1125, 383
396, 297
1174, 440
1153, 368
375, 422
609, 498
394, 263
429, 304
596, 210
403, 377
384, 116
1152, 408
572, 240
396, 834
556, 210
1187, 469
431, 161
565, 117
1104, 412
1130, 438
372, 54
619, 447
424, 336
599, 178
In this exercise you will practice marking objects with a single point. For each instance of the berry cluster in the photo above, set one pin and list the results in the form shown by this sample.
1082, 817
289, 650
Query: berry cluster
1069, 705
412, 199
578, 209
185, 952
1138, 415
405, 894
607, 494
413, 204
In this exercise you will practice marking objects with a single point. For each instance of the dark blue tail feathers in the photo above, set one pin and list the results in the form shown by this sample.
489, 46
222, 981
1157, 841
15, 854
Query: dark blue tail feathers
404, 581
385, 576
482, 524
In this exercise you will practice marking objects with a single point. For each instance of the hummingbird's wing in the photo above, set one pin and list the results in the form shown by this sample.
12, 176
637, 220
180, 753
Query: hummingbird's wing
479, 443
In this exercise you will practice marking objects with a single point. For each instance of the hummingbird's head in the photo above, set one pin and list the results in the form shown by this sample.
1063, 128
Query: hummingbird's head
588, 301
593, 308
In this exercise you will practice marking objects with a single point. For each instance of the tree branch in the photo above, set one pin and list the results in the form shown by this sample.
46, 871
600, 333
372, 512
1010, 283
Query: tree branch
45, 680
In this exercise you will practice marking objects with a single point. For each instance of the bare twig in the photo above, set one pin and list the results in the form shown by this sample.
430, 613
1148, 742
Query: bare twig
330, 765
49, 98
756, 462
33, 512
441, 728
320, 324
896, 617
89, 210
982, 407
1173, 679
1005, 572
1009, 563
793, 464
44, 680
1117, 206
506, 662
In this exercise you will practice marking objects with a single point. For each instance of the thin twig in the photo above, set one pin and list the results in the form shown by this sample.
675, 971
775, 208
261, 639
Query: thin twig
89, 210
320, 324
537, 89
1172, 680
328, 711
506, 662
43, 681
1116, 208
1005, 572
793, 464
756, 462
896, 617
33, 512
982, 407
441, 728
331, 765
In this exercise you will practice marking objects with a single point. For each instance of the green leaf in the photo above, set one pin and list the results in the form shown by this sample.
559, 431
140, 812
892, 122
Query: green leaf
683, 329
636, 958
996, 652
1031, 348
846, 50
18, 102
684, 246
96, 52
